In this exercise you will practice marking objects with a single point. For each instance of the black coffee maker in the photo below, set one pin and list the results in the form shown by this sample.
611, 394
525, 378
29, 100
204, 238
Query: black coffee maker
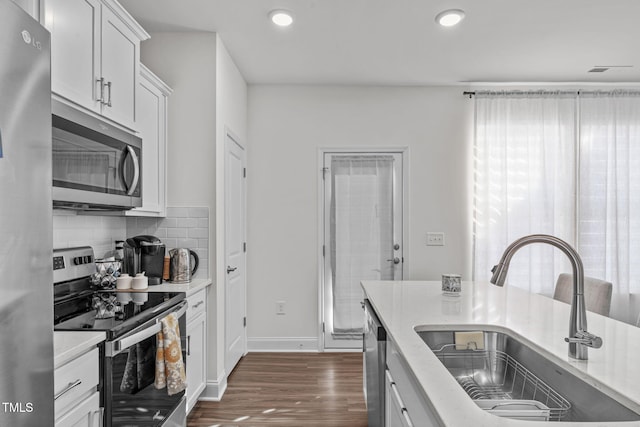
144, 253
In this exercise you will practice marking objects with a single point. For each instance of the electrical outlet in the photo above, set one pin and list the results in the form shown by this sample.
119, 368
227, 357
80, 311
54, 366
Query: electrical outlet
435, 239
280, 307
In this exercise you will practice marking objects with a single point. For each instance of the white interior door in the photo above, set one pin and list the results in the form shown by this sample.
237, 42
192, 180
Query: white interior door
362, 236
235, 285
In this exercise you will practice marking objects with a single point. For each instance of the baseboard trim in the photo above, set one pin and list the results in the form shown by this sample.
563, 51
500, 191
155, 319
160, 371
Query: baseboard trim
273, 344
214, 390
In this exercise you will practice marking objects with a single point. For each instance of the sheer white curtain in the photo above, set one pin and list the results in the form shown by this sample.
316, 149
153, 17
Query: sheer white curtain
609, 201
361, 232
524, 183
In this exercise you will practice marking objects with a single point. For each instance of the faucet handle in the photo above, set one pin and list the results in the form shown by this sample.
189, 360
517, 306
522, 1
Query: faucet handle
585, 338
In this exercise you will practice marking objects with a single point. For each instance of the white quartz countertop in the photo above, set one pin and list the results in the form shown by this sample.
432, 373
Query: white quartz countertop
69, 345
189, 288
541, 321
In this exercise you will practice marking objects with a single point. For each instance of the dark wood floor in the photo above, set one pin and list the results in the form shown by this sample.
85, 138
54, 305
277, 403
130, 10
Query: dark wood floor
289, 389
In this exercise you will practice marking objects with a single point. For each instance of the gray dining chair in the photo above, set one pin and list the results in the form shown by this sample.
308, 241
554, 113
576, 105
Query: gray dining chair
597, 293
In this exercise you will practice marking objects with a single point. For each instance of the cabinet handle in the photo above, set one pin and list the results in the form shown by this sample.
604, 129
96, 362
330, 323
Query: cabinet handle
188, 345
94, 414
407, 419
100, 81
109, 99
68, 388
198, 304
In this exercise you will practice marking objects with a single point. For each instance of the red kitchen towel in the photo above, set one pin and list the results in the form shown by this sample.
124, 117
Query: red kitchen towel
169, 363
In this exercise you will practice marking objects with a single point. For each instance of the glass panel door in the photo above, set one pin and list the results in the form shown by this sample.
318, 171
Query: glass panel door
362, 236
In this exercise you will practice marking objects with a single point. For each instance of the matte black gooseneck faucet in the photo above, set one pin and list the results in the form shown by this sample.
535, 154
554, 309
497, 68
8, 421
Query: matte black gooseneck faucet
579, 339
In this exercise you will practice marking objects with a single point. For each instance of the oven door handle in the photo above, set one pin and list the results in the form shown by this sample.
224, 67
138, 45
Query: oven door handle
113, 348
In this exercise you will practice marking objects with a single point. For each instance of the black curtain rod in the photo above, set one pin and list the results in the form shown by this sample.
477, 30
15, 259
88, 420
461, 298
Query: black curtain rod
471, 94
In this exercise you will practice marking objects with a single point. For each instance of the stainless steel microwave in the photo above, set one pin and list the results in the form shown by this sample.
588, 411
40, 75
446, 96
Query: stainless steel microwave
96, 166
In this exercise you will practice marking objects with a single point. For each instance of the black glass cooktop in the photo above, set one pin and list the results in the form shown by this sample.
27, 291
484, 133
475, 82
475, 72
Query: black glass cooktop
115, 312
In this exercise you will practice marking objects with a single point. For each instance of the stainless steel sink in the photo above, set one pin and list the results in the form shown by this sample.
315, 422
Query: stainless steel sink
509, 378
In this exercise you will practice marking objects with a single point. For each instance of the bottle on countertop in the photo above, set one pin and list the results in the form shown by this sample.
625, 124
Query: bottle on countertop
165, 268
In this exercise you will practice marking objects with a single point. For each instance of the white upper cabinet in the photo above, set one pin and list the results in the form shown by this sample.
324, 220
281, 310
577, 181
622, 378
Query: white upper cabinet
151, 119
95, 56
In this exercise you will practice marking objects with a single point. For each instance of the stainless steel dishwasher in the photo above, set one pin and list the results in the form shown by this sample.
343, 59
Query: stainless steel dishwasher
374, 345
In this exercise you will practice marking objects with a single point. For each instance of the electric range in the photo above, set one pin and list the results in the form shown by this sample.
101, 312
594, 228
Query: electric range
130, 320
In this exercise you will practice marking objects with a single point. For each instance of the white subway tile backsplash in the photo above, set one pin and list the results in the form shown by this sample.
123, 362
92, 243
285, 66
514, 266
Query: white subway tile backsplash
184, 227
177, 232
169, 222
187, 222
199, 212
99, 232
198, 232
178, 212
170, 243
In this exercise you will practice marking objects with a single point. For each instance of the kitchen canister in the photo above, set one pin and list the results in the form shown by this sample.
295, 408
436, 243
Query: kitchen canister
451, 285
140, 281
124, 281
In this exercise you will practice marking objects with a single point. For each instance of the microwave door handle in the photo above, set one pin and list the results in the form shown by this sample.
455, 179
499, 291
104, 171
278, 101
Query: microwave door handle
136, 171
118, 346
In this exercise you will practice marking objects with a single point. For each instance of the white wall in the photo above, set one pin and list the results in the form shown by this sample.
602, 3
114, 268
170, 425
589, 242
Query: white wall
231, 116
98, 231
187, 63
287, 126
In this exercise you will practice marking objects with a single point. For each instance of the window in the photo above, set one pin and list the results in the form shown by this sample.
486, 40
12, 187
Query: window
565, 164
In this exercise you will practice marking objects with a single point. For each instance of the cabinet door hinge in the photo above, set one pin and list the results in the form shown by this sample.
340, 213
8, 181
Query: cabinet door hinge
322, 251
244, 246
244, 172
323, 327
245, 321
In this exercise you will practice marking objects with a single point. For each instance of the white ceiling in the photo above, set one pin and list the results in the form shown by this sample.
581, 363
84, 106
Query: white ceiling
397, 42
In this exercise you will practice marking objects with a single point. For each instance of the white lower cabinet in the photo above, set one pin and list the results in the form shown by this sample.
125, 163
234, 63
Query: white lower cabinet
405, 404
396, 414
76, 396
196, 346
86, 414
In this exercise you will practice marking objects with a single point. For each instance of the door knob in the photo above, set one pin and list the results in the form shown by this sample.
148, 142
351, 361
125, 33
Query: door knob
395, 260
231, 269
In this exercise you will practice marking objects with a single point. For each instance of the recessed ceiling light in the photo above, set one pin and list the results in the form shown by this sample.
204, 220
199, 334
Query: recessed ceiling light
450, 17
282, 18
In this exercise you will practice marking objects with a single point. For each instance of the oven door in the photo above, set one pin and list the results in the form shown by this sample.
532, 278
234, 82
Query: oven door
130, 397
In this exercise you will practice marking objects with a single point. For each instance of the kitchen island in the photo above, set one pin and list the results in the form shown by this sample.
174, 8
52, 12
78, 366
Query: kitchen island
539, 320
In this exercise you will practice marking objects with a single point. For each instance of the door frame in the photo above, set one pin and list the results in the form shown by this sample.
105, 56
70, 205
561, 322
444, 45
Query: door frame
404, 151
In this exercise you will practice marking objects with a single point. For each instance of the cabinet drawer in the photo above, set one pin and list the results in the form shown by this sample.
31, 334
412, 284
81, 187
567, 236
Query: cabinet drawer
197, 304
84, 414
74, 380
409, 392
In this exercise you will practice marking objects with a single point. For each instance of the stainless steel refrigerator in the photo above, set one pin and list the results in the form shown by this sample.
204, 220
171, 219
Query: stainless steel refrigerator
26, 291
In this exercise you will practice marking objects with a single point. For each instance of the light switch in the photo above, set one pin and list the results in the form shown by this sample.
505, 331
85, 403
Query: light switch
435, 239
